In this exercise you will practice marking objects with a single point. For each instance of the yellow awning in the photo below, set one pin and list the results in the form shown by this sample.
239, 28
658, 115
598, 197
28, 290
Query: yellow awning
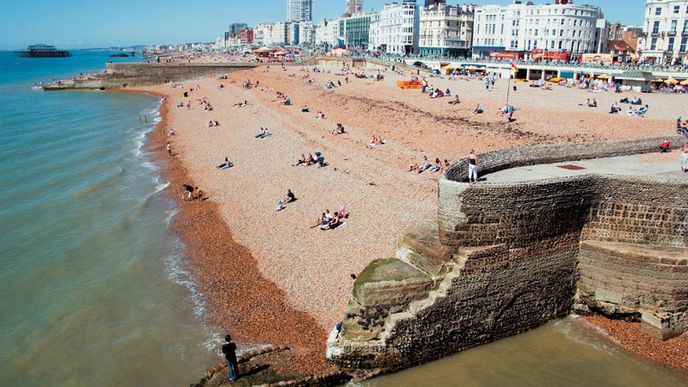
603, 76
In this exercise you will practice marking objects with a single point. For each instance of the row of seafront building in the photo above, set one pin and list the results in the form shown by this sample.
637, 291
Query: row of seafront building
435, 28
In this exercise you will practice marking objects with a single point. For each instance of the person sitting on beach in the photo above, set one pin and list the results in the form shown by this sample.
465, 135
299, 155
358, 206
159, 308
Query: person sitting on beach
187, 193
172, 133
305, 109
455, 101
446, 164
615, 108
478, 110
211, 124
334, 222
342, 213
197, 193
425, 165
447, 93
310, 160
263, 133
181, 104
300, 161
225, 165
665, 147
319, 159
280, 205
322, 220
413, 167
290, 197
287, 101
339, 129
437, 167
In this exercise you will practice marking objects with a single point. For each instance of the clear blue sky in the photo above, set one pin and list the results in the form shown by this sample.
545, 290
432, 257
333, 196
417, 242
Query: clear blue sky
101, 23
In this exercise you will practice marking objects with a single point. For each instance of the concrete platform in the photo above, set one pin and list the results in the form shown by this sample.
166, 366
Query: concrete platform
661, 165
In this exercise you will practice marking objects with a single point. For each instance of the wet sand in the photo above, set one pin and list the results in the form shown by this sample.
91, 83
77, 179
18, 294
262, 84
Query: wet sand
271, 267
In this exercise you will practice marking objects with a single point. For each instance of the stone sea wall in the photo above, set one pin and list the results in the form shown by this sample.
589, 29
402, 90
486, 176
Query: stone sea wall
508, 257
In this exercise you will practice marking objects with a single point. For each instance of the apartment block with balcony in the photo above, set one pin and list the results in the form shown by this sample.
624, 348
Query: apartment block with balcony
445, 30
394, 30
665, 32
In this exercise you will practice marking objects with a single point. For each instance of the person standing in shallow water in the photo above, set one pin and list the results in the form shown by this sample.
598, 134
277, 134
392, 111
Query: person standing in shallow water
229, 350
169, 149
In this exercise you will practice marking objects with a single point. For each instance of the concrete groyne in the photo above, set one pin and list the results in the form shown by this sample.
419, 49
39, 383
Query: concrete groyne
122, 75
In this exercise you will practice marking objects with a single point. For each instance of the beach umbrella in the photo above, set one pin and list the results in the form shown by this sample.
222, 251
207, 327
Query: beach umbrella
603, 76
672, 81
658, 80
684, 83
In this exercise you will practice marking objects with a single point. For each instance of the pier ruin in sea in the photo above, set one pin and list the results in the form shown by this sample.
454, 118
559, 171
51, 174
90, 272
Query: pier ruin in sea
505, 256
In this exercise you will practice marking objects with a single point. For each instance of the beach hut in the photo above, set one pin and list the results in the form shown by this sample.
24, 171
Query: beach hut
638, 81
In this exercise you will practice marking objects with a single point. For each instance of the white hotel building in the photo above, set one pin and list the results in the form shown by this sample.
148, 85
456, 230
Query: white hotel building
394, 29
524, 26
445, 30
665, 31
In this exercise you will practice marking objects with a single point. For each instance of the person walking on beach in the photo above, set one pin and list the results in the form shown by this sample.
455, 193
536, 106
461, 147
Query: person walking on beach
169, 149
229, 350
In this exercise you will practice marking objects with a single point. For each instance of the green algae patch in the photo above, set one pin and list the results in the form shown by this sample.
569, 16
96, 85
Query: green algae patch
390, 282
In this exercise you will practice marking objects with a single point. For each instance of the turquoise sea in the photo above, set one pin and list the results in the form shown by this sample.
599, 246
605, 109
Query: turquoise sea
91, 289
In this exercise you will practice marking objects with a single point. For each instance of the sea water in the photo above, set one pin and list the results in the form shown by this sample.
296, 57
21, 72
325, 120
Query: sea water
563, 353
91, 289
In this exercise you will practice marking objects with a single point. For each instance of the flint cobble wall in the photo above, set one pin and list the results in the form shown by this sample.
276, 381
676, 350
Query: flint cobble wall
502, 291
518, 260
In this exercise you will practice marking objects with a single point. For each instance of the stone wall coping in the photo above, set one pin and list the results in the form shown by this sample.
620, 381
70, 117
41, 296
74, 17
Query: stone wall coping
574, 178
508, 158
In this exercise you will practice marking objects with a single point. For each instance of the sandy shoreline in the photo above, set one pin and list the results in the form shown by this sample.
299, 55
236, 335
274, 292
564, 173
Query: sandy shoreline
292, 282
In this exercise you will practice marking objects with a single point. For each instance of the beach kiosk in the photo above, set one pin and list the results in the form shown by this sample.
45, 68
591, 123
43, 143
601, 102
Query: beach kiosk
636, 80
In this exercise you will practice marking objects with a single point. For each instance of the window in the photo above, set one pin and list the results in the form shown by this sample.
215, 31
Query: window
658, 11
671, 44
653, 44
655, 28
674, 24
683, 44
676, 8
